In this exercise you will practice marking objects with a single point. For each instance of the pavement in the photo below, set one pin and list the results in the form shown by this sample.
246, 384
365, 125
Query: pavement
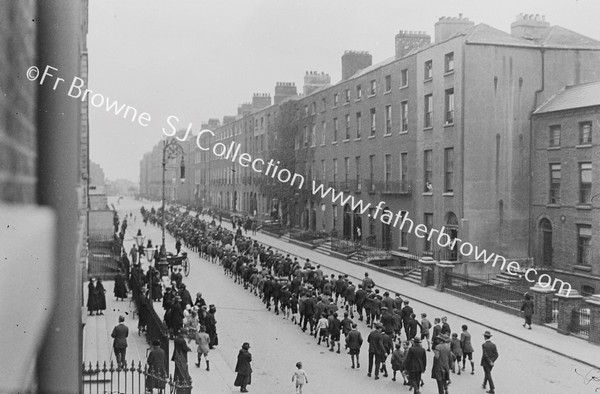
531, 361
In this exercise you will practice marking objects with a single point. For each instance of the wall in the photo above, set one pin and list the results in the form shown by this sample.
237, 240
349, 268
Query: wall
499, 93
18, 148
101, 225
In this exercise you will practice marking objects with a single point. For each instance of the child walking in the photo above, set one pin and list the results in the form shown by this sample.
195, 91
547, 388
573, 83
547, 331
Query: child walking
300, 377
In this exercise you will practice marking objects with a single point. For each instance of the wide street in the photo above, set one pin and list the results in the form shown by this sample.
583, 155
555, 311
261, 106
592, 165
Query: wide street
277, 344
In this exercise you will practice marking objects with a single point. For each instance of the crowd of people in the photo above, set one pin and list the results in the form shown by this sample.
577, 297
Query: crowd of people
328, 307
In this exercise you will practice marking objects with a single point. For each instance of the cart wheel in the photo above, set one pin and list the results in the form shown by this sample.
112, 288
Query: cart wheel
186, 266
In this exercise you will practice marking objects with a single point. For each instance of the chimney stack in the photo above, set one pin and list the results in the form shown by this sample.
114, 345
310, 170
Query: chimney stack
314, 80
529, 26
354, 61
284, 90
244, 109
406, 41
447, 27
260, 101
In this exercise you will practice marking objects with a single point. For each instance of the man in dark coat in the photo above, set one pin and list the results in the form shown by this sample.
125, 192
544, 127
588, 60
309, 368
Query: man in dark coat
412, 326
489, 355
437, 331
442, 362
446, 330
415, 364
361, 294
211, 326
186, 297
176, 316
120, 334
376, 350
120, 290
309, 313
243, 368
157, 361
405, 313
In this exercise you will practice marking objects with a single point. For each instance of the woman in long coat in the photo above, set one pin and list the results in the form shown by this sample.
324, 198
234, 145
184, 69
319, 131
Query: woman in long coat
93, 299
527, 309
101, 297
120, 286
243, 368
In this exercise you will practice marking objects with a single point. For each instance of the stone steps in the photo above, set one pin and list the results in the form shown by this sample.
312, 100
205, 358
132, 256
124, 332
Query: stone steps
324, 248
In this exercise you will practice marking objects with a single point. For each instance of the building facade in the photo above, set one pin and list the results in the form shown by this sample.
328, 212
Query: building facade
564, 213
439, 133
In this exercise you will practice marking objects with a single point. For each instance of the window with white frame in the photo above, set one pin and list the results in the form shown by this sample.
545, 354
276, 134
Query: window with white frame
388, 119
347, 127
555, 131
335, 129
404, 116
584, 244
428, 118
555, 176
585, 183
449, 62
404, 78
373, 121
428, 72
585, 133
449, 104
373, 87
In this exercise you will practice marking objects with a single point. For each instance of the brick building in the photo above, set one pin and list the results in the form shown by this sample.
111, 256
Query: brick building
564, 215
440, 132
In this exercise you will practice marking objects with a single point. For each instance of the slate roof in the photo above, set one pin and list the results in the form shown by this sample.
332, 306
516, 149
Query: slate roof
485, 34
559, 37
571, 97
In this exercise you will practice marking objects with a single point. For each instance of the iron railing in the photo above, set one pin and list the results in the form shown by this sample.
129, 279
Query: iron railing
132, 379
344, 246
580, 322
484, 290
389, 187
554, 311
103, 260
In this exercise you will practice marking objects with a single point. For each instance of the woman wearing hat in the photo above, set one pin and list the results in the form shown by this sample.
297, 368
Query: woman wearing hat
243, 368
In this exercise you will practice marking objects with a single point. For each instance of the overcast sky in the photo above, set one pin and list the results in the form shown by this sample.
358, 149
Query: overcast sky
200, 59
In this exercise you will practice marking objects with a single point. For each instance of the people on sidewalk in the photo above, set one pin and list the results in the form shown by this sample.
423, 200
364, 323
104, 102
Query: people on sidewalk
120, 333
527, 309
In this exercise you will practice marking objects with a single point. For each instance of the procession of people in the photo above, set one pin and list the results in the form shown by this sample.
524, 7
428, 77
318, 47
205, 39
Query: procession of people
325, 306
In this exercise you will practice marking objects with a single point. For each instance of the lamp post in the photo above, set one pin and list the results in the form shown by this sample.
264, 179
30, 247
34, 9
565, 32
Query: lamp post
233, 194
171, 150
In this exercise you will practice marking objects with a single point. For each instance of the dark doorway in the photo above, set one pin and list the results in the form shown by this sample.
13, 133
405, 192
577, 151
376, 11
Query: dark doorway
546, 242
347, 222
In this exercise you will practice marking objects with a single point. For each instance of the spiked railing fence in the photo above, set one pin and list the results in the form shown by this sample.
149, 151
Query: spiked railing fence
104, 378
